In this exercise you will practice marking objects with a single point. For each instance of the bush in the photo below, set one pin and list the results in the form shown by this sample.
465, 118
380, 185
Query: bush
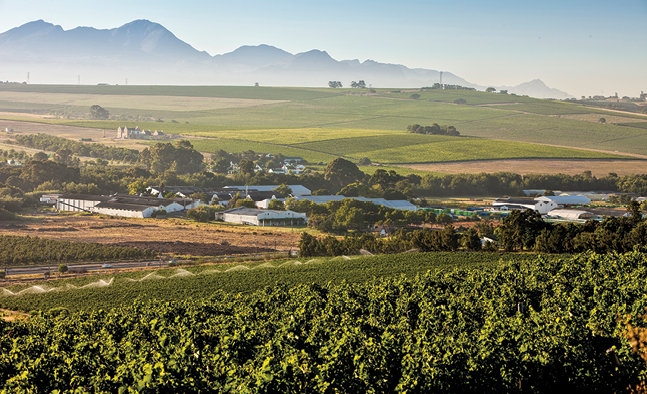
204, 213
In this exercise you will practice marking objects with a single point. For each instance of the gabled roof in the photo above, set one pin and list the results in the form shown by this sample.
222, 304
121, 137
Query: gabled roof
123, 207
508, 200
86, 197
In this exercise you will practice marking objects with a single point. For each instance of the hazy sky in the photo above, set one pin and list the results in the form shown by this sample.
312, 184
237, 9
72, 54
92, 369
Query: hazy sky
581, 47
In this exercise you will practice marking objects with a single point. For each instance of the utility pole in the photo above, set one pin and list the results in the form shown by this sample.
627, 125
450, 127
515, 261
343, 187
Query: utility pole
28, 77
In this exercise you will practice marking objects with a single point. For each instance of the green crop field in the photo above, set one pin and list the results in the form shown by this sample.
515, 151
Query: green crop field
320, 124
249, 92
547, 108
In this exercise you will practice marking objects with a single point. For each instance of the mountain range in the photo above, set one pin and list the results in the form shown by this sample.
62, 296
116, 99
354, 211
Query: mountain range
143, 52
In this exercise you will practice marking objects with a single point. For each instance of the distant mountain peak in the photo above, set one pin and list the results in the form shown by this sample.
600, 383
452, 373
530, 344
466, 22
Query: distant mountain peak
145, 52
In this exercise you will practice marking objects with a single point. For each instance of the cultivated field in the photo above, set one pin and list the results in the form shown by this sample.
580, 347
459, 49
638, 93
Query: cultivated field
321, 124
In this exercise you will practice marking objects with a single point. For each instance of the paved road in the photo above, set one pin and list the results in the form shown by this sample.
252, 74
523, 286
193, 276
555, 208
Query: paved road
89, 267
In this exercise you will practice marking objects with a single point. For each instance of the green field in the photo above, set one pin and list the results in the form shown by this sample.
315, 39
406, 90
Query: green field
398, 148
320, 124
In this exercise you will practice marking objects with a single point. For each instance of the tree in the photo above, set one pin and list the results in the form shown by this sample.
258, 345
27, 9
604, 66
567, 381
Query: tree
40, 156
358, 85
602, 120
364, 161
62, 269
460, 101
137, 187
245, 203
276, 205
342, 172
283, 189
490, 90
181, 158
246, 167
334, 84
471, 240
96, 112
503, 91
414, 96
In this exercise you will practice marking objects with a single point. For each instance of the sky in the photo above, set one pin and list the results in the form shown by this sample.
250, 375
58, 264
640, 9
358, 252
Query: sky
581, 47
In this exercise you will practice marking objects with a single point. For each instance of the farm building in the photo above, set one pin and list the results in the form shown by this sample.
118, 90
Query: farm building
572, 214
262, 217
222, 195
395, 204
124, 210
565, 200
543, 204
126, 133
129, 133
122, 205
297, 190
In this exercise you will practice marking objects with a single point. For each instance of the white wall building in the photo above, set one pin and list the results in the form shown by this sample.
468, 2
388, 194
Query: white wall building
258, 217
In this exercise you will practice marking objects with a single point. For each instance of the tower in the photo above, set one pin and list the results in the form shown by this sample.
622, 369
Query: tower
441, 79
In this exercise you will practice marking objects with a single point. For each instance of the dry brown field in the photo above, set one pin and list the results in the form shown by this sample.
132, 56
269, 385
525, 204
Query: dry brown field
571, 167
70, 132
121, 231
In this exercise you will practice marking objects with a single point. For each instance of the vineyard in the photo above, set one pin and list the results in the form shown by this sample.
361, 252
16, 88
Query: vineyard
17, 250
534, 325
201, 282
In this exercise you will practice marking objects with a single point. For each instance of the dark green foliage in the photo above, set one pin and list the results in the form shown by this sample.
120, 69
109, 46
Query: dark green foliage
16, 250
204, 213
341, 172
52, 143
427, 240
536, 326
526, 230
180, 158
434, 129
98, 113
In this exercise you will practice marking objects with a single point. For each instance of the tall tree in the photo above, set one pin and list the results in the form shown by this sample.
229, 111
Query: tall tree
342, 172
96, 112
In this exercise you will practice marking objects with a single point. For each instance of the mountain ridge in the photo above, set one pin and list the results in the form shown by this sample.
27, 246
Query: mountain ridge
148, 53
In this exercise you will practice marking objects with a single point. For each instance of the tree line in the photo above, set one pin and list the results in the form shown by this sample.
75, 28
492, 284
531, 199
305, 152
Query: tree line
434, 129
525, 230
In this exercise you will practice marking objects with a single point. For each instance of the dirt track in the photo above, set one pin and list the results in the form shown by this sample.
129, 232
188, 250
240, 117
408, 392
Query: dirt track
176, 236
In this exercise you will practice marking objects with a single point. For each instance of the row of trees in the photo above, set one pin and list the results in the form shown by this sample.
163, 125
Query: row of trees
425, 240
434, 129
525, 230
448, 87
357, 85
180, 157
351, 214
71, 148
